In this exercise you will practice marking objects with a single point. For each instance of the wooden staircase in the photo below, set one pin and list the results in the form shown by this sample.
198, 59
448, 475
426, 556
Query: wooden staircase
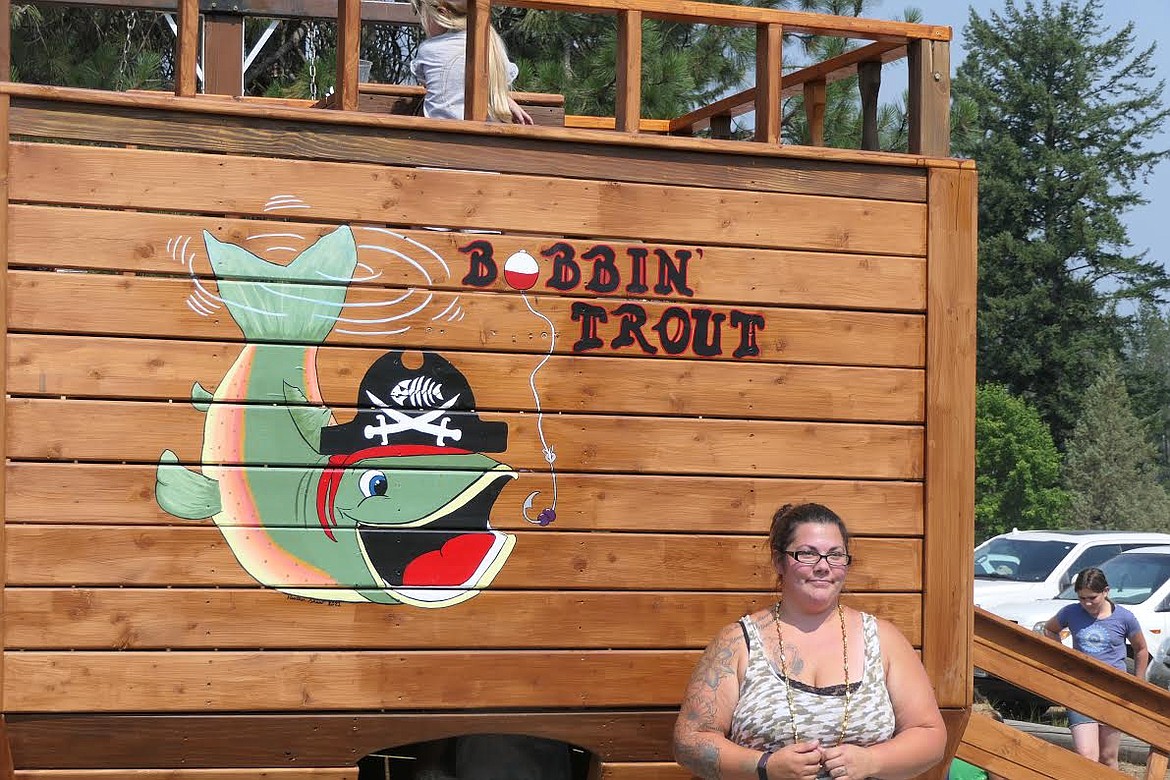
1049, 669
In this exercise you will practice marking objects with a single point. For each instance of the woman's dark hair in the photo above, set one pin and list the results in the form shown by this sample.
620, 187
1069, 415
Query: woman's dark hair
1091, 579
789, 516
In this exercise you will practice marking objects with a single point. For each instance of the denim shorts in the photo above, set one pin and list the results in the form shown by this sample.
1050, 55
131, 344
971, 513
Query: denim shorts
1077, 719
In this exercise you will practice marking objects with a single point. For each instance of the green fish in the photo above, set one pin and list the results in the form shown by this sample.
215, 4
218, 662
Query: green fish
392, 511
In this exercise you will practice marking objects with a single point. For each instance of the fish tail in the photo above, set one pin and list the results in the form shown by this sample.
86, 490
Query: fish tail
272, 302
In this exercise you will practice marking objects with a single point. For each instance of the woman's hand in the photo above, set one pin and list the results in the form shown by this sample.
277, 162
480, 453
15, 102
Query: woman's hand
519, 115
848, 762
795, 762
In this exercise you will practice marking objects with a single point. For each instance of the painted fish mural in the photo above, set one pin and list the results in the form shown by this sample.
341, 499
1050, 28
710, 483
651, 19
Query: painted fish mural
391, 507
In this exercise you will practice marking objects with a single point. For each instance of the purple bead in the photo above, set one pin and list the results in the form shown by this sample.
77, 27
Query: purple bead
546, 517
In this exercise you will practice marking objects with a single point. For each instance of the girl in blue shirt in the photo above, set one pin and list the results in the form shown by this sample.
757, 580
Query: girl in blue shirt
1099, 629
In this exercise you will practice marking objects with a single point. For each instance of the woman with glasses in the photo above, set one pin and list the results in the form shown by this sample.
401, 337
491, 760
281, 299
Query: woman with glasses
809, 688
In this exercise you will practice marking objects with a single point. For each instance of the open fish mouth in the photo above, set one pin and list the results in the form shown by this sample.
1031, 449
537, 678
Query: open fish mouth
443, 562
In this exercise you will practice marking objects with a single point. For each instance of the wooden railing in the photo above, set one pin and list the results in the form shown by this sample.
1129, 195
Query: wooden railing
1051, 670
926, 46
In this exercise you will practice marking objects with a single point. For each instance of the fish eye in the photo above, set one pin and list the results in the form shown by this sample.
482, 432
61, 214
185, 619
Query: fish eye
373, 483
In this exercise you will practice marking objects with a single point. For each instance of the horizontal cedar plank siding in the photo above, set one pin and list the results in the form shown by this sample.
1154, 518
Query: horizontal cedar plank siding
46, 429
145, 243
340, 773
83, 681
316, 739
216, 184
135, 306
542, 559
453, 148
78, 366
667, 472
124, 495
182, 619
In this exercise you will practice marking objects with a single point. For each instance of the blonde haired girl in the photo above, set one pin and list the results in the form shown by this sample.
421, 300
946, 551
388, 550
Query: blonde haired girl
440, 62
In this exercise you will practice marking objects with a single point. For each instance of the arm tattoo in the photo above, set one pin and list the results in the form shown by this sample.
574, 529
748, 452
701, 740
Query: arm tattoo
697, 748
701, 757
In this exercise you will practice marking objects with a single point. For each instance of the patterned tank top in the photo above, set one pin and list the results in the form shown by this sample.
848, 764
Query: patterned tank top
761, 720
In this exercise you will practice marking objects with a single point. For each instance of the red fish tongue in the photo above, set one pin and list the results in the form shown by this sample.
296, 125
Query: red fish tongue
452, 564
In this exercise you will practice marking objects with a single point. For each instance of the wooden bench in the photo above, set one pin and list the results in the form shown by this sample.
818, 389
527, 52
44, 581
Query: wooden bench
406, 100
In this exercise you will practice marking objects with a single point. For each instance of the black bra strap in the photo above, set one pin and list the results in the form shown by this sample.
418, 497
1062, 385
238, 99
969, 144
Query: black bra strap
747, 642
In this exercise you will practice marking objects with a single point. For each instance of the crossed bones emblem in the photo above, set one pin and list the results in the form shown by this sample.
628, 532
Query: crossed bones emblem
400, 422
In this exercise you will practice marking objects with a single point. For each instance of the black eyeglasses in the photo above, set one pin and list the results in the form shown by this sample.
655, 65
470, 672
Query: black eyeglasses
812, 557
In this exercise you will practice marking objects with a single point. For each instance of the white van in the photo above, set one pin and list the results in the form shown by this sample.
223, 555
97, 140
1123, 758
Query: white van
1139, 580
1030, 565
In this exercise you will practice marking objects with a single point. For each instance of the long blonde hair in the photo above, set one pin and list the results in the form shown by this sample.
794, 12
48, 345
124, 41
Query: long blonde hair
452, 15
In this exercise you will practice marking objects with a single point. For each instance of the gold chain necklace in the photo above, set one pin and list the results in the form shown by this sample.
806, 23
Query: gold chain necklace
788, 680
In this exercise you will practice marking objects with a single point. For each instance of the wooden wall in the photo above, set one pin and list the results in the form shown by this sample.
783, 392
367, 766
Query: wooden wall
833, 381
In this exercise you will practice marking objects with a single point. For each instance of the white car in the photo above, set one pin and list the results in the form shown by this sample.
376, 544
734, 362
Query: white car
1159, 670
1029, 565
1139, 580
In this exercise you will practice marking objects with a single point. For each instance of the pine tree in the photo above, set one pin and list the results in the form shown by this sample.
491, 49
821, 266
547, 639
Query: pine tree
1110, 468
1147, 375
91, 47
1017, 466
1065, 110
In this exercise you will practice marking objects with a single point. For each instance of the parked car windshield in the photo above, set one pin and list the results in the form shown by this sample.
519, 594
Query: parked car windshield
1022, 560
1132, 577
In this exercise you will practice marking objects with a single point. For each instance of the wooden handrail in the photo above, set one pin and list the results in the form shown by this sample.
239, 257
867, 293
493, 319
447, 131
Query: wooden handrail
1011, 753
377, 11
835, 69
691, 12
284, 111
1053, 671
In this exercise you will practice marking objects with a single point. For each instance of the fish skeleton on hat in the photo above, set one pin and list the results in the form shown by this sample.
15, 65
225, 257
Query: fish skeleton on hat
391, 507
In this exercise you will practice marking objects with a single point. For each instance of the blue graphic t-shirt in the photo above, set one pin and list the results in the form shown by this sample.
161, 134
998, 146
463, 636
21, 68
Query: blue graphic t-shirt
1103, 639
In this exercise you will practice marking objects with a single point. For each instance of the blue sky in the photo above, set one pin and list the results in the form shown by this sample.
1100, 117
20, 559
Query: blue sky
1149, 226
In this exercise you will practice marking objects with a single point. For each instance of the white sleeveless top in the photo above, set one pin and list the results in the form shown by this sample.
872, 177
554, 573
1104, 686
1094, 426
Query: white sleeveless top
761, 720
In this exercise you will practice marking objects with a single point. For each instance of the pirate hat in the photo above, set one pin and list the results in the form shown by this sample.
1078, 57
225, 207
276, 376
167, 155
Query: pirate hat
429, 405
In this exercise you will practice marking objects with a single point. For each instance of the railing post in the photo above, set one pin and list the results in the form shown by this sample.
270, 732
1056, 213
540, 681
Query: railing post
629, 71
1156, 765
721, 126
930, 97
869, 82
223, 54
187, 42
769, 59
349, 41
814, 110
7, 768
475, 88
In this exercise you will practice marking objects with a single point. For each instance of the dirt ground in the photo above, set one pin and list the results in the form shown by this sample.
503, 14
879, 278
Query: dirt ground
1133, 770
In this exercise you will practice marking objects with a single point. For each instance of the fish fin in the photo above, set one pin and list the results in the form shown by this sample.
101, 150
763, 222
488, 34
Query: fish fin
182, 492
201, 397
308, 419
297, 302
